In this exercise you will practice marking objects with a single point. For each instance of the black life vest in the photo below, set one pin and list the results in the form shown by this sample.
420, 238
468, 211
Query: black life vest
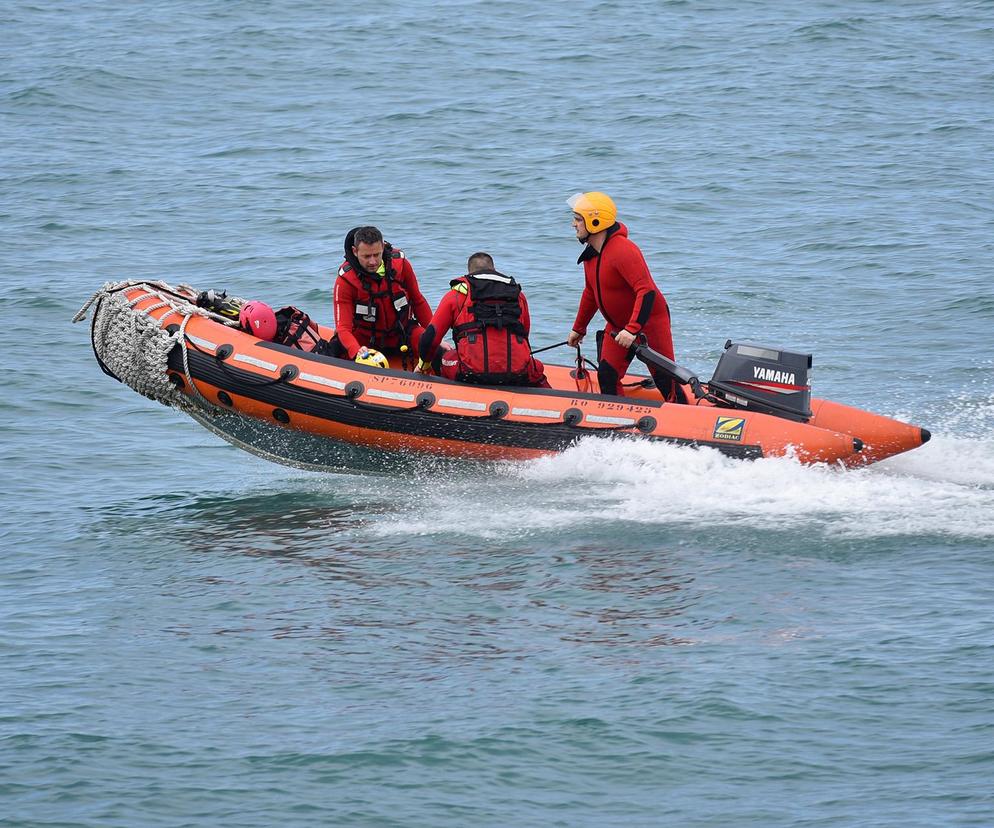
490, 337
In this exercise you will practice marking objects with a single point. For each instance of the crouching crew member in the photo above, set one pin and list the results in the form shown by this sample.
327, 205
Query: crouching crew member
488, 316
617, 283
378, 303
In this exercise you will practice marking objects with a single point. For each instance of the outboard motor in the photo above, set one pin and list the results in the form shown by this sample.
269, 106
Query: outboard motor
758, 378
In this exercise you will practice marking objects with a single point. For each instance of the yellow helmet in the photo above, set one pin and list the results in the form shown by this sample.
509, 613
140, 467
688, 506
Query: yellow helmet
368, 356
597, 209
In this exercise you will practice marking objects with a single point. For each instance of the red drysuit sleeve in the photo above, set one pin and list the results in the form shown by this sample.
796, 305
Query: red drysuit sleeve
420, 308
630, 263
345, 299
440, 323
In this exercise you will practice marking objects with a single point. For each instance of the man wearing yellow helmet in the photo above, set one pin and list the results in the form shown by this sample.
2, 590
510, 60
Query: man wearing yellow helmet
617, 283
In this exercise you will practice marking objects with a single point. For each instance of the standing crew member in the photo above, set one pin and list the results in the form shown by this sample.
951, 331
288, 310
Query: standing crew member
378, 303
488, 315
617, 283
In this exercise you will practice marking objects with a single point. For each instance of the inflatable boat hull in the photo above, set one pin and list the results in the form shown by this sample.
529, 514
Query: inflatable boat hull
220, 367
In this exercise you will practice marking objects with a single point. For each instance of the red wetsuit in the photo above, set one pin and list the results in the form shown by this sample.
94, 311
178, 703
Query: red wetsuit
617, 283
451, 308
355, 294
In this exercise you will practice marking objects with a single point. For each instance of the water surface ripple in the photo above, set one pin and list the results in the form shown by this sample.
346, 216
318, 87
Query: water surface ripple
621, 635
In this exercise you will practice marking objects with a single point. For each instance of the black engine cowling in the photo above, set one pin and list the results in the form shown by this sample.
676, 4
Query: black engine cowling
760, 378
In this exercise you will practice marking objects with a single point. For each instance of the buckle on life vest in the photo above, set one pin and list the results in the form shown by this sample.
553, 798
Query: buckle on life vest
366, 312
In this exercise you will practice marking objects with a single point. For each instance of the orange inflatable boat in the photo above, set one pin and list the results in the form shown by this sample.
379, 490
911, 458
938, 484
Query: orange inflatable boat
156, 339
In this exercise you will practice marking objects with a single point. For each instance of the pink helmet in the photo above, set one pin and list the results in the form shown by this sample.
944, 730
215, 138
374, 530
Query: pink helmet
258, 319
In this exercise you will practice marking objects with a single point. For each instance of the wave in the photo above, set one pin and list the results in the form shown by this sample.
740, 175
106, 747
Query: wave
945, 489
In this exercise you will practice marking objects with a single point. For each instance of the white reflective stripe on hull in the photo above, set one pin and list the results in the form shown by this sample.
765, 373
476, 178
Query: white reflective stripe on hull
203, 343
258, 363
390, 395
466, 404
537, 412
598, 418
322, 381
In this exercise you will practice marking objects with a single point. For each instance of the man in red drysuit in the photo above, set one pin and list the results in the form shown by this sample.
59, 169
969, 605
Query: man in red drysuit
617, 283
378, 303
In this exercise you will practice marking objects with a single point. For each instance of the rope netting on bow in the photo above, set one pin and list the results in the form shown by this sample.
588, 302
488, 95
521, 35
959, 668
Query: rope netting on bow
132, 346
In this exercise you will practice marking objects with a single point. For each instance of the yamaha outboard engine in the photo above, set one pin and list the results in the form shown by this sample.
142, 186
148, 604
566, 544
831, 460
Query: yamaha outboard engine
769, 380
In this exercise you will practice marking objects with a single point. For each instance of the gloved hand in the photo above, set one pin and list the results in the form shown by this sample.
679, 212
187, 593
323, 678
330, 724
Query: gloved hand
423, 367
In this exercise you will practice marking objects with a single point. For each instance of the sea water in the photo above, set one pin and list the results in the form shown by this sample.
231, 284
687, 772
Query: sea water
625, 634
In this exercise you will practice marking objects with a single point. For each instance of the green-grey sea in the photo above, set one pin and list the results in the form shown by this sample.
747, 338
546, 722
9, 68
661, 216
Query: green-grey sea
622, 635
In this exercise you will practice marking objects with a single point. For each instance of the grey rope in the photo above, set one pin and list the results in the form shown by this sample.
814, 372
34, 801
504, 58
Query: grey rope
134, 347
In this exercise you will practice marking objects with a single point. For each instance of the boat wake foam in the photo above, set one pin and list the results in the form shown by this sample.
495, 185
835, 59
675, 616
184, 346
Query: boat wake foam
946, 489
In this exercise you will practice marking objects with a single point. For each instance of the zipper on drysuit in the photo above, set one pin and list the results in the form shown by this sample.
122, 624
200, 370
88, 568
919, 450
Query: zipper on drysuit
597, 284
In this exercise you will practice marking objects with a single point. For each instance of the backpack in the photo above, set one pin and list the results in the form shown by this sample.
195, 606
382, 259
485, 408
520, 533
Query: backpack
295, 330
